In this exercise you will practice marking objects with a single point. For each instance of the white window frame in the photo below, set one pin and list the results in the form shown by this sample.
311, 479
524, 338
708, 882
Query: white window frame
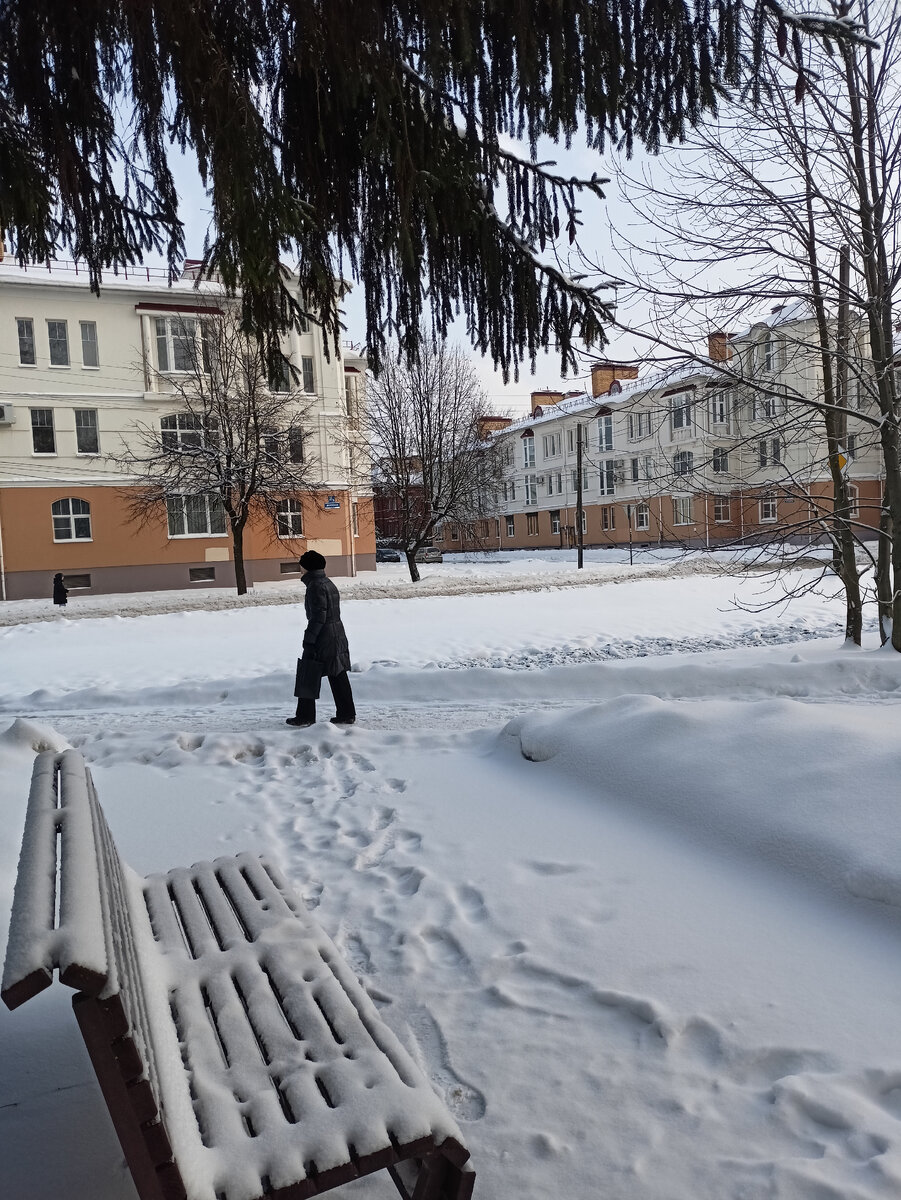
185, 501
682, 510
308, 375
768, 509
528, 451
607, 477
531, 491
65, 516
191, 431
718, 503
642, 516
720, 460
605, 433
289, 519
24, 338
81, 425
574, 479
555, 520
511, 526
680, 407
89, 344
176, 339
608, 517
721, 407
64, 342
683, 463
532, 525
35, 426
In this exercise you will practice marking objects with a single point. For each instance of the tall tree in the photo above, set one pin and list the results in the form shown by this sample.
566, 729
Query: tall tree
802, 192
431, 461
236, 448
360, 137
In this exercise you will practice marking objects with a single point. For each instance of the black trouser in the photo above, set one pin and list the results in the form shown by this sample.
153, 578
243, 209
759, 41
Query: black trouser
343, 696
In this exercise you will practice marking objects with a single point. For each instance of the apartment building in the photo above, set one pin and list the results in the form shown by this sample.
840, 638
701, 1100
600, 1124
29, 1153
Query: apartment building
722, 451
83, 376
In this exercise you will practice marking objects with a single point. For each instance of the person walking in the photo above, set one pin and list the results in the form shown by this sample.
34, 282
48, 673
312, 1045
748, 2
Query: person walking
60, 591
325, 649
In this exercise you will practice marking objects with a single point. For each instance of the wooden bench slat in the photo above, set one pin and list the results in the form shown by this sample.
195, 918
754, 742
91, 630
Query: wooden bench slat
230, 1038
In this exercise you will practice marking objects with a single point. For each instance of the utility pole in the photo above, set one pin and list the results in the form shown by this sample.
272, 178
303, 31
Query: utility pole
579, 536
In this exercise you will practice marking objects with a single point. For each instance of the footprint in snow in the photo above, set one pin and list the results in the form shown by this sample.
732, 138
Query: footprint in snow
464, 1100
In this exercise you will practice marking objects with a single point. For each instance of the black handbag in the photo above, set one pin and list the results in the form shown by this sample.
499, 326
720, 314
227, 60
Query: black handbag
308, 680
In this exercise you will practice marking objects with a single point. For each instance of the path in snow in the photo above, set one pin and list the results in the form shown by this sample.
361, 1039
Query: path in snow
590, 1019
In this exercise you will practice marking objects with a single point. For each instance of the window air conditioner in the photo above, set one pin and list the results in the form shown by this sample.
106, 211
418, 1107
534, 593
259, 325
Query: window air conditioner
541, 479
7, 414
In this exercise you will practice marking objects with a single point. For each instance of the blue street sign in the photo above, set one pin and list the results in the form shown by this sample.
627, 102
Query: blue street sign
331, 503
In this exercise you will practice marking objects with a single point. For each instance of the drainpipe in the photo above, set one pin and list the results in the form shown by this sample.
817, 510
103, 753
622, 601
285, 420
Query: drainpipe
2, 568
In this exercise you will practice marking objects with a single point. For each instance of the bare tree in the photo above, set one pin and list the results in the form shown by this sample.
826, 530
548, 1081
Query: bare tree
234, 450
432, 464
800, 195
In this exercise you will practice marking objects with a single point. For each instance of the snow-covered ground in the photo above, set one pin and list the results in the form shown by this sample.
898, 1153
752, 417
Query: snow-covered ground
619, 862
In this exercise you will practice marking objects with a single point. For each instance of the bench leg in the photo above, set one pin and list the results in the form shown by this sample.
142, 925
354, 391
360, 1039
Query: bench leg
152, 1182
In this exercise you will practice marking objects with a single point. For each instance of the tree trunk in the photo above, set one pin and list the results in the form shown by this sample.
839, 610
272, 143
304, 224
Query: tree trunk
412, 564
238, 552
884, 573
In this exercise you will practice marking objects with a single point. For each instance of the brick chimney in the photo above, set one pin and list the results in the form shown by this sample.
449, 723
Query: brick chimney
719, 348
603, 374
545, 399
485, 426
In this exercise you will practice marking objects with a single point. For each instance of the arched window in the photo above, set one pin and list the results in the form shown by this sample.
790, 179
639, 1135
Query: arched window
71, 520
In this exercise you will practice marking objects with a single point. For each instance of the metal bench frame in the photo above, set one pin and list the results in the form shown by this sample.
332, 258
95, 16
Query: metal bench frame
281, 1056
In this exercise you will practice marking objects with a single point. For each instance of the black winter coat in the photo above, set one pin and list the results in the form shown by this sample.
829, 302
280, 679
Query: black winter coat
60, 592
325, 638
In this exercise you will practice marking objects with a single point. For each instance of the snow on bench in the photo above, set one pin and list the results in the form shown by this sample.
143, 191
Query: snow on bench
237, 1053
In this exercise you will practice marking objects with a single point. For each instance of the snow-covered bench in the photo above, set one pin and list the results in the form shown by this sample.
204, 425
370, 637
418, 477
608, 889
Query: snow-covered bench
238, 1055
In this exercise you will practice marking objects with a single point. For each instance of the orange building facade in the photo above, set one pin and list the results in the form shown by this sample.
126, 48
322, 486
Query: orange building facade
79, 376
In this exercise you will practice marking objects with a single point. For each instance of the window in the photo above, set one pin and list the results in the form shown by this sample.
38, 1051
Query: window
87, 440
454, 533
201, 574
528, 451
555, 520
769, 451
769, 508
555, 483
583, 521
280, 380
511, 526
642, 516
853, 501
770, 353
195, 516
767, 407
639, 426
851, 446
575, 434
680, 411
636, 465
355, 519
309, 381
43, 438
25, 330
71, 520
532, 524
721, 509
510, 490
289, 568
289, 519
176, 345
58, 335
295, 445
683, 462
187, 431
531, 490
720, 460
681, 510
77, 582
608, 517
552, 444
720, 407
90, 351
648, 467
605, 433
575, 480
607, 477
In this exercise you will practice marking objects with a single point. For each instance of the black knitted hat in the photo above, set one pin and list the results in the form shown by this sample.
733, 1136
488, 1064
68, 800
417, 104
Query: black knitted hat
312, 561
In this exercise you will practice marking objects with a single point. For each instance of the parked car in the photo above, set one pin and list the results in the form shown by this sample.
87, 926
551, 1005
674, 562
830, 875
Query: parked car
386, 554
428, 554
